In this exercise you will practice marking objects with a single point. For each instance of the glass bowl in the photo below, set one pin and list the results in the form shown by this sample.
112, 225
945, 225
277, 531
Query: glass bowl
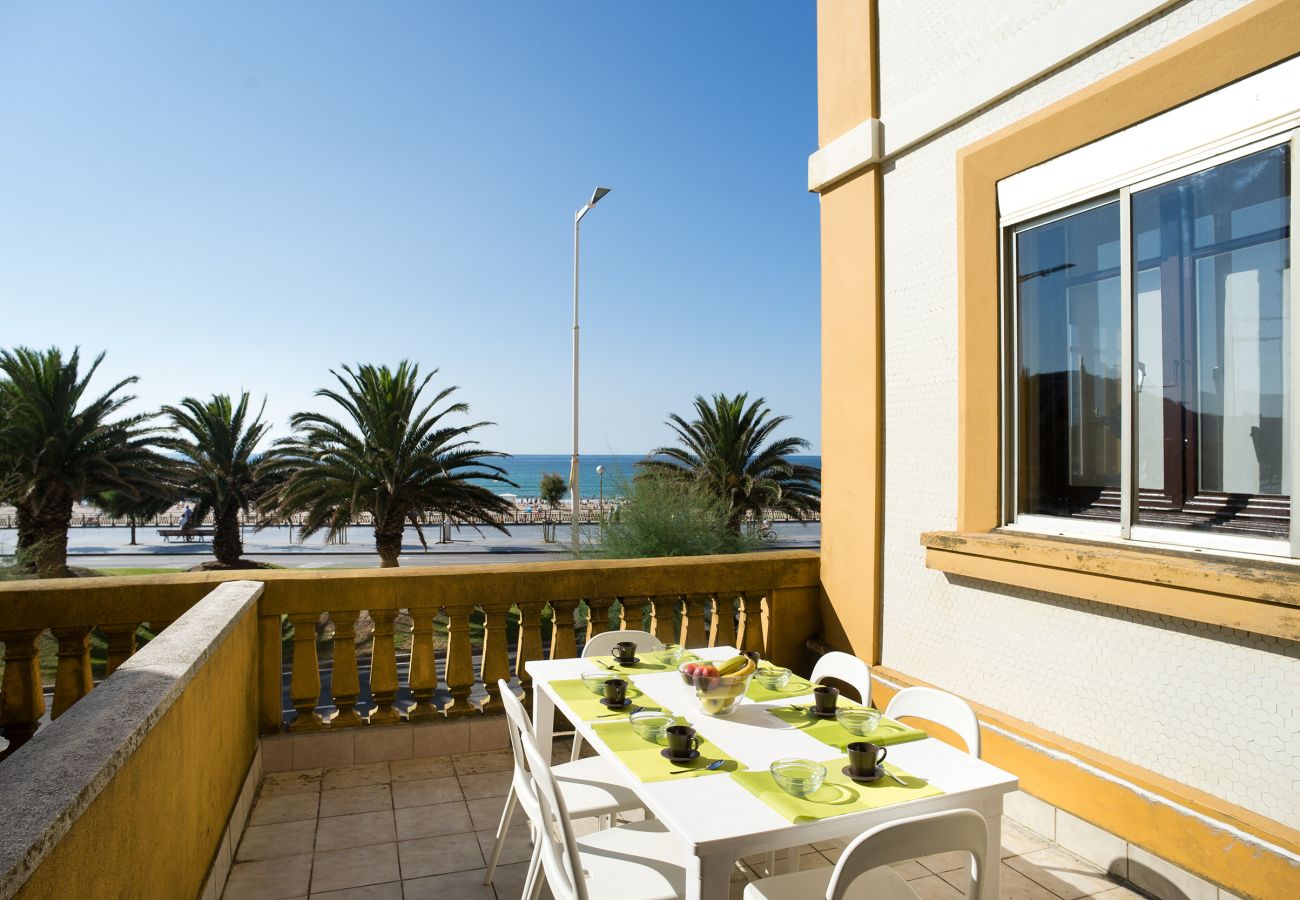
595, 681
717, 695
798, 777
651, 724
859, 720
774, 678
669, 654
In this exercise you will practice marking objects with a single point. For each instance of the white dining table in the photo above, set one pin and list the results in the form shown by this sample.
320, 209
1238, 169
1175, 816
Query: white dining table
718, 821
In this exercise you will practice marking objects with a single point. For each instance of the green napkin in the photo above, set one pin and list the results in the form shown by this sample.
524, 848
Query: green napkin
587, 706
647, 664
830, 731
838, 796
795, 687
648, 764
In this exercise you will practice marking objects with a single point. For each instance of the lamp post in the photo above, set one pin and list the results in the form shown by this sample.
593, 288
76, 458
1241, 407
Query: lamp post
600, 508
573, 463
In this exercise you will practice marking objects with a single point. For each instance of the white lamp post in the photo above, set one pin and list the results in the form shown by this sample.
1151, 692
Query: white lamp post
573, 464
600, 508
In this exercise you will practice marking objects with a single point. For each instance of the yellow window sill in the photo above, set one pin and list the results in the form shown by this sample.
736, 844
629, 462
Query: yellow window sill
1257, 596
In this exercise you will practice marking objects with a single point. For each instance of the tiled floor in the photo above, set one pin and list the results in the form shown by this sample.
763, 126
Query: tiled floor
423, 828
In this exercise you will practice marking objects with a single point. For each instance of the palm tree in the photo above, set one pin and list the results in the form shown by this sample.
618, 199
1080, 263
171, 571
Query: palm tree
139, 502
725, 450
217, 442
56, 447
394, 459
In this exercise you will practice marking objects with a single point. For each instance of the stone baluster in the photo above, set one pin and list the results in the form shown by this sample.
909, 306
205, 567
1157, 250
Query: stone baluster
121, 644
73, 679
383, 669
633, 610
424, 670
598, 616
496, 655
563, 642
460, 667
751, 621
344, 683
693, 630
722, 632
530, 643
304, 684
22, 698
663, 625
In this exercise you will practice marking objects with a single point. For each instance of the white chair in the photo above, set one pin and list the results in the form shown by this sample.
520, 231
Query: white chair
639, 861
846, 668
864, 873
590, 787
603, 645
940, 707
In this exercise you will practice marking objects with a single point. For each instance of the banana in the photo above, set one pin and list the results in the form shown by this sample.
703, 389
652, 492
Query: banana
734, 665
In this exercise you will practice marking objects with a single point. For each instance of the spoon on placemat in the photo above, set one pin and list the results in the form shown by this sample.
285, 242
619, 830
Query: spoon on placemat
622, 712
711, 767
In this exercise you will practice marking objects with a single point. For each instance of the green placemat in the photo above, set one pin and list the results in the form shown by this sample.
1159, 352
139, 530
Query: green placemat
648, 764
838, 796
647, 664
795, 687
829, 731
587, 706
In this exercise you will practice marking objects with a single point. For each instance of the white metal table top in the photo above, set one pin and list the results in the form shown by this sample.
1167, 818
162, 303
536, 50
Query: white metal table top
713, 811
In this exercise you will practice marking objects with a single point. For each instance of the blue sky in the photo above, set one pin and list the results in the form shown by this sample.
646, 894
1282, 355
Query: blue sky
231, 196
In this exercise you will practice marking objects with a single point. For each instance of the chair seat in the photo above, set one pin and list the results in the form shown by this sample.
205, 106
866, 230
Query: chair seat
878, 884
640, 861
591, 787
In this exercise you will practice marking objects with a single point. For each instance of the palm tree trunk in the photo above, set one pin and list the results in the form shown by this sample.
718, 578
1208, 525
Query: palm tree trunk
226, 542
46, 541
388, 539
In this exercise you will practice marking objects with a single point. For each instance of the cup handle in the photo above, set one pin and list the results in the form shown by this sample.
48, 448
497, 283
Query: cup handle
880, 760
695, 741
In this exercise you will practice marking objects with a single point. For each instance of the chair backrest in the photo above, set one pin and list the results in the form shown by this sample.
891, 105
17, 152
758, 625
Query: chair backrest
603, 644
520, 728
946, 709
848, 669
943, 832
554, 833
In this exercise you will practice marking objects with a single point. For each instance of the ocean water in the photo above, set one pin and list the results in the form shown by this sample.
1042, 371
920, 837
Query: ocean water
526, 471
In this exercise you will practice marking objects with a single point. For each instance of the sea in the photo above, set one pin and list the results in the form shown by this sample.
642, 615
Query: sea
526, 470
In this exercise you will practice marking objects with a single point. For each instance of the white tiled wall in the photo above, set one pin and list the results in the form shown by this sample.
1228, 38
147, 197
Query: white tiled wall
1163, 693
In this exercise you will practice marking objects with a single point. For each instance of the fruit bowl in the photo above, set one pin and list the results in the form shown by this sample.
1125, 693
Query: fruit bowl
717, 689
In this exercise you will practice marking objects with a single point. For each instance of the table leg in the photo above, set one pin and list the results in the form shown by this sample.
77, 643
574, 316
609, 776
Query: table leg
543, 720
992, 859
708, 877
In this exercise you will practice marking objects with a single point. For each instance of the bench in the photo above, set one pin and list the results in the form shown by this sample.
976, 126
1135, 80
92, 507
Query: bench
187, 534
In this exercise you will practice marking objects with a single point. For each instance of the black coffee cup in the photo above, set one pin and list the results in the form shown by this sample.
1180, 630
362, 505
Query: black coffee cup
824, 696
615, 691
864, 757
682, 740
625, 651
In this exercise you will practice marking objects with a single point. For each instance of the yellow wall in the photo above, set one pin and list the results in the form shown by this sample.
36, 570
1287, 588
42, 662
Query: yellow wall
155, 828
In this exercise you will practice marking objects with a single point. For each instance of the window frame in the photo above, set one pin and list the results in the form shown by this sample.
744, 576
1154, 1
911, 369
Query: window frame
1069, 203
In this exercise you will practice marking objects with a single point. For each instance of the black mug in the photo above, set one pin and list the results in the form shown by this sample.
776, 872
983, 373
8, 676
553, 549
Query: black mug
615, 691
824, 696
864, 757
625, 651
682, 740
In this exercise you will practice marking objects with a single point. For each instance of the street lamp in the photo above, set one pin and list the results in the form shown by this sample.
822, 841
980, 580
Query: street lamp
573, 463
600, 470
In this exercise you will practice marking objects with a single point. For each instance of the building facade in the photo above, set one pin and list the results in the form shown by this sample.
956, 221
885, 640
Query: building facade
1057, 404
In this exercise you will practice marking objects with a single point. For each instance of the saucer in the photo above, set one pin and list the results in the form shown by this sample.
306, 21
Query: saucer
821, 715
631, 662
627, 701
695, 754
876, 775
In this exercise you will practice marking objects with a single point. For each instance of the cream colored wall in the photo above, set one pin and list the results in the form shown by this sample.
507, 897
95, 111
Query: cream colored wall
1144, 688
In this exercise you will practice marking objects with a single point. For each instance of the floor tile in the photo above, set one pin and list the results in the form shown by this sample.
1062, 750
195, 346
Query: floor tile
440, 855
415, 822
488, 784
304, 782
1064, 875
284, 808
932, 887
945, 862
355, 830
1018, 840
346, 801
509, 882
269, 879
355, 776
280, 839
392, 890
454, 886
517, 846
354, 867
1011, 886
486, 813
478, 763
1118, 893
907, 869
426, 791
419, 769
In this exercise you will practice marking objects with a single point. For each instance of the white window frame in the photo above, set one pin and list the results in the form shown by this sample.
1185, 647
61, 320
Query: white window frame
1243, 118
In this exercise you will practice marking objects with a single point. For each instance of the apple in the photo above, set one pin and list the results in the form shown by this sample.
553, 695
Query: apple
706, 671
